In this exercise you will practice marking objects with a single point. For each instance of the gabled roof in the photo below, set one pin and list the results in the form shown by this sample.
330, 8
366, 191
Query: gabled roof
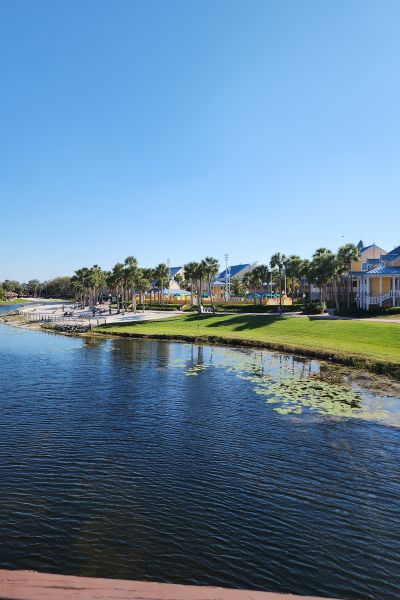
364, 248
395, 251
174, 270
234, 270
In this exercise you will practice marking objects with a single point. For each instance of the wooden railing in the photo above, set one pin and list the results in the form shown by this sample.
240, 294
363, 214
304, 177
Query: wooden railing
28, 585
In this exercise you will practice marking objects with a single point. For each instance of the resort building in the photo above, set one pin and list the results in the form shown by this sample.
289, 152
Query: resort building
174, 292
376, 277
221, 286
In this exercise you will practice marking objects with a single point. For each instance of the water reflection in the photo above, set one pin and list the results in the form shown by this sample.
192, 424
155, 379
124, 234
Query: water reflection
292, 385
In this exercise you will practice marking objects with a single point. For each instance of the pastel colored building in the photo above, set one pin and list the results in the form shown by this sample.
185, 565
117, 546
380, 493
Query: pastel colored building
376, 277
222, 283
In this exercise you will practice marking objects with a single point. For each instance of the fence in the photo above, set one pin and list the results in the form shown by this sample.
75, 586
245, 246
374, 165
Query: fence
63, 319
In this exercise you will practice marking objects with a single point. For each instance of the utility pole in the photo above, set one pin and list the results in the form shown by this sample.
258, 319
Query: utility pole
227, 279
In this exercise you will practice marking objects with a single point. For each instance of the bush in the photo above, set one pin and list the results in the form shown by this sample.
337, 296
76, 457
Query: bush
159, 307
374, 311
314, 308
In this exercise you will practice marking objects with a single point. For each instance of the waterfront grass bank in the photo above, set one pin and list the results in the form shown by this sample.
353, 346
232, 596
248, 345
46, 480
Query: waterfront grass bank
16, 301
371, 345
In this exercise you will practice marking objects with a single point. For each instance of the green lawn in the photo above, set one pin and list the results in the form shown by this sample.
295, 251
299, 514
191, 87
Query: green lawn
376, 345
16, 301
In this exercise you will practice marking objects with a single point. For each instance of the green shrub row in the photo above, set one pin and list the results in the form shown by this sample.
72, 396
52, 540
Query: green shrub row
158, 306
374, 311
258, 308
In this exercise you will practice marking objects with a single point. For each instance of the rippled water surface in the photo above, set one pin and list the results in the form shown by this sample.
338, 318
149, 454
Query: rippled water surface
193, 464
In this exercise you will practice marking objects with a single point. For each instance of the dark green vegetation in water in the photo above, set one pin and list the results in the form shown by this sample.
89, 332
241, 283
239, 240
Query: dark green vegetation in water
194, 464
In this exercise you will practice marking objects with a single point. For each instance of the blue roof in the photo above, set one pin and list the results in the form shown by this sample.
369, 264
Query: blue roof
395, 251
390, 257
384, 271
174, 270
235, 270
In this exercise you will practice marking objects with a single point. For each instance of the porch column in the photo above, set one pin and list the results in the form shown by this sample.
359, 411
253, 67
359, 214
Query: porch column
380, 290
393, 291
367, 296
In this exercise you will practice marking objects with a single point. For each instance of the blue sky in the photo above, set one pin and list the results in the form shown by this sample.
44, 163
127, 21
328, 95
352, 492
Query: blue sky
179, 129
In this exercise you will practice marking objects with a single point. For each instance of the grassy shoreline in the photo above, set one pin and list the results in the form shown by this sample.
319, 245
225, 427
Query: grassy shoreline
367, 345
15, 301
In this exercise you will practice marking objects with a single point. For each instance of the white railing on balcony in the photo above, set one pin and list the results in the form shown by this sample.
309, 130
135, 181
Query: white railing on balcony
384, 298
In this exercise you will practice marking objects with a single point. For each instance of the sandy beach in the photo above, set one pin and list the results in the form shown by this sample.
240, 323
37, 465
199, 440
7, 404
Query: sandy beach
69, 314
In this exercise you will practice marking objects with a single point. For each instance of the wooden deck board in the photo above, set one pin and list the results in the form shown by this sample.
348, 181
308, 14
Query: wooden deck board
30, 585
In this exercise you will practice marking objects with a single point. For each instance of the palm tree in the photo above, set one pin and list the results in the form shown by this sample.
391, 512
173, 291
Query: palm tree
200, 275
323, 270
118, 279
81, 282
96, 280
34, 287
131, 268
190, 270
294, 266
252, 279
345, 256
77, 287
262, 273
210, 268
142, 285
149, 275
238, 287
278, 263
304, 276
162, 274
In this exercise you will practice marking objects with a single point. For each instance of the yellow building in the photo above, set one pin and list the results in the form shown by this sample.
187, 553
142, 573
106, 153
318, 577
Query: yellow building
376, 277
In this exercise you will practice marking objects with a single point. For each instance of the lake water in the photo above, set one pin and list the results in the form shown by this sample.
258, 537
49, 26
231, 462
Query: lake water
193, 464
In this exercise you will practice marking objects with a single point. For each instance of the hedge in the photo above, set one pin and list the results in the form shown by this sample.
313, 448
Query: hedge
374, 311
258, 308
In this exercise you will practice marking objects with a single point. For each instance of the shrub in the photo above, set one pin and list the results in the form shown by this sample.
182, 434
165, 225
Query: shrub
374, 311
314, 308
258, 308
159, 307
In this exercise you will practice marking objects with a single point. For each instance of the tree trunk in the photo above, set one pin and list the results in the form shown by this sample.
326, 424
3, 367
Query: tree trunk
210, 292
335, 293
133, 300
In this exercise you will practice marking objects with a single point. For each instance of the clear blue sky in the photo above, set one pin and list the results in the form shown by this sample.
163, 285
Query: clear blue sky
163, 128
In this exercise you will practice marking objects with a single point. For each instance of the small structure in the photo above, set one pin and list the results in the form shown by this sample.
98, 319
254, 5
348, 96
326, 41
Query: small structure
11, 295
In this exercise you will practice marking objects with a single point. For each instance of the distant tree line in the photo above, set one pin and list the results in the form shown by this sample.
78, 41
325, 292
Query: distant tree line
127, 282
59, 287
